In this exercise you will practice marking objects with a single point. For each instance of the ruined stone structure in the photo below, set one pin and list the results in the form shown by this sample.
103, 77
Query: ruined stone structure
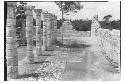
38, 31
49, 35
55, 29
52, 29
44, 47
49, 30
94, 26
109, 42
29, 33
11, 49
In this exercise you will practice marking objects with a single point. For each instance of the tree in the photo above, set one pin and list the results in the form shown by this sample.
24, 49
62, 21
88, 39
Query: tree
20, 22
107, 17
68, 6
20, 14
106, 23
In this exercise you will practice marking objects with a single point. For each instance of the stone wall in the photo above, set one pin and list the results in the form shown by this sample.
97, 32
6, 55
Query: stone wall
108, 41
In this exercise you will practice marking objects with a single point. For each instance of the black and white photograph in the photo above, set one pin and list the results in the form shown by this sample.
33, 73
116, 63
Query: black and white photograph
62, 40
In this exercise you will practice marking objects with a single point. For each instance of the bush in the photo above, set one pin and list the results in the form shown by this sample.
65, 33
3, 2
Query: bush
59, 23
111, 25
81, 25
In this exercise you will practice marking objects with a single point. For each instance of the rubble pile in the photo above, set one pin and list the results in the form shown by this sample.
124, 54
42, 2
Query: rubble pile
109, 43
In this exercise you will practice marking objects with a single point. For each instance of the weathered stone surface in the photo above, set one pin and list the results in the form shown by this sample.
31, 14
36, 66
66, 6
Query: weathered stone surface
55, 29
44, 47
11, 49
94, 26
38, 31
47, 30
12, 72
11, 52
109, 42
12, 61
29, 32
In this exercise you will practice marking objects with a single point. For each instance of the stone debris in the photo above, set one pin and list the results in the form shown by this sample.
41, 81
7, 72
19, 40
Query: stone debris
108, 41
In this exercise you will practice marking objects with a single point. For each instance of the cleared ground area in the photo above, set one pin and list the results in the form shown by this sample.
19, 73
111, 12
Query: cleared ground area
78, 59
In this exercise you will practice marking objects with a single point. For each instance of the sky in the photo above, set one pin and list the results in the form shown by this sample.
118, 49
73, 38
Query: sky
89, 9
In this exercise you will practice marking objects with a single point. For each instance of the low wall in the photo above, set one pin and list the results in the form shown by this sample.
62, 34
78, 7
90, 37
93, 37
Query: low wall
110, 43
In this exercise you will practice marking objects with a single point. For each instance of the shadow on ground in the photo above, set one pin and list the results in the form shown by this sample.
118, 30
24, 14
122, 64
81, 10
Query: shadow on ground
34, 75
73, 44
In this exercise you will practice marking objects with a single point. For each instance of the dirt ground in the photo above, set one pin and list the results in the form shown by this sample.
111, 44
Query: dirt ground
78, 60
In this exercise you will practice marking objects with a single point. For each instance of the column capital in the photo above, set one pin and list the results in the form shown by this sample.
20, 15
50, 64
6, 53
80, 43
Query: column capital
44, 12
47, 15
29, 7
29, 10
38, 11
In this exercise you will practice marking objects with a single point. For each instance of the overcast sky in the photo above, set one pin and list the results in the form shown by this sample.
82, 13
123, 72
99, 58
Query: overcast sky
89, 10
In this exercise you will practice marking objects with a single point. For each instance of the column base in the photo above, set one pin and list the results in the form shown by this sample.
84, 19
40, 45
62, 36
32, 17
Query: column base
12, 72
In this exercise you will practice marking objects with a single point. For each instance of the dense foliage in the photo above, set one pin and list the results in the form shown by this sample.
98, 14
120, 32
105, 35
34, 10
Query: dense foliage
59, 23
20, 18
69, 6
115, 24
81, 25
85, 25
107, 24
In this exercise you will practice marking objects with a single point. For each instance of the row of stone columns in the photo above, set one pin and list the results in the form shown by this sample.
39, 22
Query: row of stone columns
49, 35
54, 29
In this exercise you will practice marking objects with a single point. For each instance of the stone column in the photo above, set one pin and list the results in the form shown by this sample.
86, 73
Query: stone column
29, 33
55, 28
38, 31
46, 31
94, 26
49, 30
52, 29
11, 48
44, 47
